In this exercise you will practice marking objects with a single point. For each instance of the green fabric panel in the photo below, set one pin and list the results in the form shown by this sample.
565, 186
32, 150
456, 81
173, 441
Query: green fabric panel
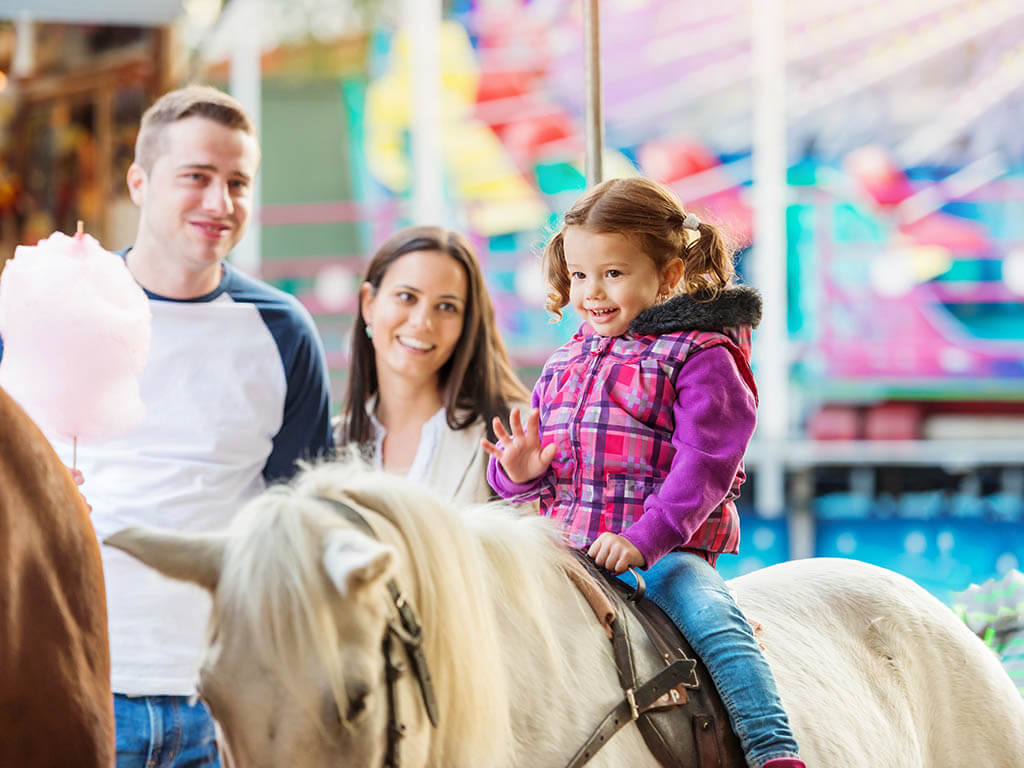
306, 160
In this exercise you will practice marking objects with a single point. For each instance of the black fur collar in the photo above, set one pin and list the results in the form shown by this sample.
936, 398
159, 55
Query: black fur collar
739, 305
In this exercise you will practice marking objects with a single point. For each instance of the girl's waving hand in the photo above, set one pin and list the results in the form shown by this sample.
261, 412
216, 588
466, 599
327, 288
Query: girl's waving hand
520, 453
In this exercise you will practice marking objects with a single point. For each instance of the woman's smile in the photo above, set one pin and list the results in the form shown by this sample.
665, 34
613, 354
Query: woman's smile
416, 314
415, 344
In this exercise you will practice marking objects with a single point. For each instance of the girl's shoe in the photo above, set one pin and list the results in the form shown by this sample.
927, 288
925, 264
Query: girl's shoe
785, 762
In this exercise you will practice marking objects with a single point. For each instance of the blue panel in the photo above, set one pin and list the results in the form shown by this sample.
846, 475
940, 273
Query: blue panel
940, 555
762, 543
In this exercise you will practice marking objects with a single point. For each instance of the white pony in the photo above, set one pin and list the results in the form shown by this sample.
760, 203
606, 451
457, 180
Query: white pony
872, 669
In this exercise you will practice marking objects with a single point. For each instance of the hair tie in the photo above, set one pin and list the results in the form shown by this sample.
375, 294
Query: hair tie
692, 221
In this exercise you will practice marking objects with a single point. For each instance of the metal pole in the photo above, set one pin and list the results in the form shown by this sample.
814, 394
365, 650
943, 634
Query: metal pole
246, 85
769, 255
23, 60
592, 74
422, 24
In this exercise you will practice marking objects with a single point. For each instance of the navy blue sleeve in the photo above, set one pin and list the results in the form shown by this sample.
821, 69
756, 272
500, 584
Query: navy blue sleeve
305, 429
305, 424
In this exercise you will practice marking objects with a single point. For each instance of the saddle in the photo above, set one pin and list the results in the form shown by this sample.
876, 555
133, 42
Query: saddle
678, 709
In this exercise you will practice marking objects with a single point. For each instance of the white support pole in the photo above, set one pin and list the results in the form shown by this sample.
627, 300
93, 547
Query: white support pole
23, 60
422, 25
594, 117
769, 254
246, 85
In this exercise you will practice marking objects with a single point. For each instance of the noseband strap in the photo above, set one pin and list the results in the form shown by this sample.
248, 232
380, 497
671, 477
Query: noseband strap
408, 631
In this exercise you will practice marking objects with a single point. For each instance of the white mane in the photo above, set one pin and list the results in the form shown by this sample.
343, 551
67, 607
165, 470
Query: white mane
272, 586
462, 564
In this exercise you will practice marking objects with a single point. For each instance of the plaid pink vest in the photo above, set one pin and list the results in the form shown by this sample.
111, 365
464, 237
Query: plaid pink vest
607, 403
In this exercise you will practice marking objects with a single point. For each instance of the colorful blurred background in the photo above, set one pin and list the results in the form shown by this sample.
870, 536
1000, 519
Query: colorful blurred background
894, 431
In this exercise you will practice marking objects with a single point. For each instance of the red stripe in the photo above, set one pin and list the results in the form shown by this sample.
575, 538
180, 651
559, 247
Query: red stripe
280, 269
325, 213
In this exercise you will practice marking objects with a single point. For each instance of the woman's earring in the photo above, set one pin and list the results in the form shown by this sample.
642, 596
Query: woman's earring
369, 332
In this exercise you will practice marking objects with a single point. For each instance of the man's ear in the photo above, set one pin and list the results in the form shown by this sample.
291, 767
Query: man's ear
136, 183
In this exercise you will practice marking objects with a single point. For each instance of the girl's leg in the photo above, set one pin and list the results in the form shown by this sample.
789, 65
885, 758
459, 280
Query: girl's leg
695, 597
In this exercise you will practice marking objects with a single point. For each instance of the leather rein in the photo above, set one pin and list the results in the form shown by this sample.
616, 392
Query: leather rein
409, 633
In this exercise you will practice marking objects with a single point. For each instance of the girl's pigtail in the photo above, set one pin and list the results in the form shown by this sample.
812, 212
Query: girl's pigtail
707, 264
557, 275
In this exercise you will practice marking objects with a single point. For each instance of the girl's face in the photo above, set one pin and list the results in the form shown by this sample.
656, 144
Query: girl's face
416, 315
611, 280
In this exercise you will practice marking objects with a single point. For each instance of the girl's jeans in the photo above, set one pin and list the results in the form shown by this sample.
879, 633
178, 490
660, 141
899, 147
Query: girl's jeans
164, 732
695, 597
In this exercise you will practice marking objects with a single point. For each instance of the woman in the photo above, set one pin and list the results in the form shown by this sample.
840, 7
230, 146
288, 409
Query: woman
429, 371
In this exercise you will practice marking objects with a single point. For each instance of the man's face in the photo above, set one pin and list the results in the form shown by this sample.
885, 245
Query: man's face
196, 199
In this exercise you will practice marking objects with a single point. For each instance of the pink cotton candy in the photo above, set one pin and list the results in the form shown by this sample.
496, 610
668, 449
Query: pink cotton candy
75, 328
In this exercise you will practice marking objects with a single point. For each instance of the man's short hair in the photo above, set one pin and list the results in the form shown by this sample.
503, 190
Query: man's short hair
190, 101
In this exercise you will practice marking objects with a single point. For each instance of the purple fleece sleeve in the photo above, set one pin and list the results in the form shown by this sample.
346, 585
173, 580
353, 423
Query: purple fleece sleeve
715, 414
509, 489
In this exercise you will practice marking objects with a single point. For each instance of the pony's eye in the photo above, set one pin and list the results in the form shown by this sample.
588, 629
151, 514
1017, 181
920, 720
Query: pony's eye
357, 697
356, 706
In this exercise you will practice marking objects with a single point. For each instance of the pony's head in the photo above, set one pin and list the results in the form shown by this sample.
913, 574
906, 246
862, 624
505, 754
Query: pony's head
293, 670
290, 673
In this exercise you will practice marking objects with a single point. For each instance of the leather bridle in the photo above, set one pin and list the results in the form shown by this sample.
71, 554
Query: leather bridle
408, 631
638, 698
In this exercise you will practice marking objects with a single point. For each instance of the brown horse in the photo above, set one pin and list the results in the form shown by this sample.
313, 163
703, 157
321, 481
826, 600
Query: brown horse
56, 707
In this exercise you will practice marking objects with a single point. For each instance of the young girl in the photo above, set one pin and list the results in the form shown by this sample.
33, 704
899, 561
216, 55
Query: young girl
641, 421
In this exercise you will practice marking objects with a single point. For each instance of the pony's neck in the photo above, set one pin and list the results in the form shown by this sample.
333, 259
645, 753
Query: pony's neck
557, 658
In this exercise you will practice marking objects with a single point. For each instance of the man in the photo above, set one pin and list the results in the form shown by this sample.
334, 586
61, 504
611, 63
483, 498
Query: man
235, 389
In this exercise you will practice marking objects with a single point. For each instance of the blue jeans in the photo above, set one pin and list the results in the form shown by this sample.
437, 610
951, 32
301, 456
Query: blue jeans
164, 732
695, 597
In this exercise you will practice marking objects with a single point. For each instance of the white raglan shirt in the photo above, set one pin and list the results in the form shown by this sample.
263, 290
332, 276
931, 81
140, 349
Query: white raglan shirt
236, 390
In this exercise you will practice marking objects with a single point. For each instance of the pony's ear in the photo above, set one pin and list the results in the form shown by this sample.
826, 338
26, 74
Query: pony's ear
194, 557
354, 561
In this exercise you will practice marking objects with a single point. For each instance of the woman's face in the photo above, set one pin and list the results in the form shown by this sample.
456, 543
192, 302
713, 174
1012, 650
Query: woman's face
416, 315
